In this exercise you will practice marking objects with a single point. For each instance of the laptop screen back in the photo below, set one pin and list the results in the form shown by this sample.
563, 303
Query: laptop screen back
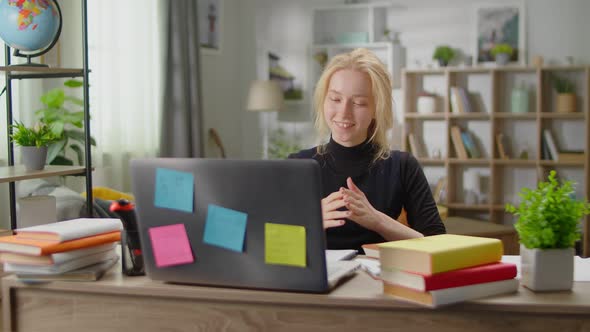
234, 222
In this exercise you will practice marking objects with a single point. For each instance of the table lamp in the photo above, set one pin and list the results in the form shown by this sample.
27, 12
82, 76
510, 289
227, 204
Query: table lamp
265, 96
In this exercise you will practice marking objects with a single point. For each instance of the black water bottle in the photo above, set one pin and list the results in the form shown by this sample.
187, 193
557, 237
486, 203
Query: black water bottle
131, 254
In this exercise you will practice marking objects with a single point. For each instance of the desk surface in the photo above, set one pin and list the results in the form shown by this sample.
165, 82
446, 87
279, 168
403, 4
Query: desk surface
65, 304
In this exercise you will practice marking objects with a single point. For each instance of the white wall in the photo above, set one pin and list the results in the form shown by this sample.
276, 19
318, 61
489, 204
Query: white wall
554, 29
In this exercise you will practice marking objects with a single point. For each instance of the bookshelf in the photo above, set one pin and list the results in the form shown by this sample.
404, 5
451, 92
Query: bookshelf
13, 172
496, 180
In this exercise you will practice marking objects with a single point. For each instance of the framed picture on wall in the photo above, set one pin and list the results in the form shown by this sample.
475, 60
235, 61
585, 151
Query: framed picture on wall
499, 24
210, 26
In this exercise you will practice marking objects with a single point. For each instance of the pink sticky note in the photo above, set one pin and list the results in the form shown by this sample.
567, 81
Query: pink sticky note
170, 245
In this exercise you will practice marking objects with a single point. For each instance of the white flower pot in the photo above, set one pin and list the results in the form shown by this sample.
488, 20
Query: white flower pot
547, 269
426, 105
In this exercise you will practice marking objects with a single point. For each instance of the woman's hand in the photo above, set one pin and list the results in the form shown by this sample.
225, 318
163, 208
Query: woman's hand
361, 211
330, 214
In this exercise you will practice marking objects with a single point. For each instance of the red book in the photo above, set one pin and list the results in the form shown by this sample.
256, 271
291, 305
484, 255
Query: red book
455, 278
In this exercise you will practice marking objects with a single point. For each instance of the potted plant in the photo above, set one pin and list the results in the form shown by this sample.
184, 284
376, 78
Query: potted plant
33, 142
65, 123
547, 225
502, 53
444, 54
280, 146
566, 95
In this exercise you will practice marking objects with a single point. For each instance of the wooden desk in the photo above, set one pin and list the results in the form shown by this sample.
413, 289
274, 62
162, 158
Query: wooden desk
464, 226
118, 303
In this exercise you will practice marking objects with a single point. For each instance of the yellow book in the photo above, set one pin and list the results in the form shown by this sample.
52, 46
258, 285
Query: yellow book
439, 253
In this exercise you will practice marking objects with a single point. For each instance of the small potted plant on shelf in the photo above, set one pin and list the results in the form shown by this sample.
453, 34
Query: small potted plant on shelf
444, 54
547, 225
34, 142
502, 53
566, 94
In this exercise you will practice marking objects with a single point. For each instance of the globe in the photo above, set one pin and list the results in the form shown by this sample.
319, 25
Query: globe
29, 25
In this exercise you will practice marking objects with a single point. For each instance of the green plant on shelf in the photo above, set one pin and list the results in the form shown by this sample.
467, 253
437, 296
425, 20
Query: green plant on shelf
548, 216
38, 135
563, 85
444, 54
502, 48
65, 122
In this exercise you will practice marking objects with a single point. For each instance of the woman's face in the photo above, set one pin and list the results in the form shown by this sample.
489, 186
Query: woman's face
349, 107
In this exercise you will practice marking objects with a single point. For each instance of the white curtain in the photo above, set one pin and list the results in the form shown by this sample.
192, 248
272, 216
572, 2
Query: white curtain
126, 60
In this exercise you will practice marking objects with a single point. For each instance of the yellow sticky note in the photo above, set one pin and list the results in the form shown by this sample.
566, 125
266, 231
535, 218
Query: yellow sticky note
284, 245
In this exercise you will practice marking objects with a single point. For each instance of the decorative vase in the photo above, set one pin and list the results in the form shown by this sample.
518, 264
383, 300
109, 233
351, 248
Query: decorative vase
547, 269
566, 103
502, 59
33, 157
442, 63
426, 105
519, 101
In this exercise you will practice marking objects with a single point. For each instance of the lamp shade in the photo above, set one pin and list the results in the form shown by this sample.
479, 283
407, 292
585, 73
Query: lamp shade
265, 96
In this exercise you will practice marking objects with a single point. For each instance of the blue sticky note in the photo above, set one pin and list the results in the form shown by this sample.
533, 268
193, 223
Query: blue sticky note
225, 228
174, 190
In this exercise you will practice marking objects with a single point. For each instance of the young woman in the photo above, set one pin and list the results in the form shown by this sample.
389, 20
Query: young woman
365, 185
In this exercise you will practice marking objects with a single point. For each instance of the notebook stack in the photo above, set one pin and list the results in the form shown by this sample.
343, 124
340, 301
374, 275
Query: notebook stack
78, 249
445, 269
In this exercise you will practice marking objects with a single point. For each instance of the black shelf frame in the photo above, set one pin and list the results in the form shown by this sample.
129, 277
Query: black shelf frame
23, 74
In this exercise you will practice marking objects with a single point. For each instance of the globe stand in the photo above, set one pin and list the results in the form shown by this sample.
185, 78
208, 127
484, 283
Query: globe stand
28, 56
28, 63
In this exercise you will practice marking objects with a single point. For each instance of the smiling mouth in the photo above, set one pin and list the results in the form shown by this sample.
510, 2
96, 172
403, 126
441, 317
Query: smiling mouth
344, 125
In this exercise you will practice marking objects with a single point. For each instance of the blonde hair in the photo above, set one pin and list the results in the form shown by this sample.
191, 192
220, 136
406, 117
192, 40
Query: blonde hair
364, 61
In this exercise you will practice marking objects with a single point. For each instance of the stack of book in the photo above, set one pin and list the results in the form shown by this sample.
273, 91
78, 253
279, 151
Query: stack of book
77, 249
445, 269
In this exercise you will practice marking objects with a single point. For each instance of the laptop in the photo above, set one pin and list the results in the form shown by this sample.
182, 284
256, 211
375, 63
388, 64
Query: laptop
234, 223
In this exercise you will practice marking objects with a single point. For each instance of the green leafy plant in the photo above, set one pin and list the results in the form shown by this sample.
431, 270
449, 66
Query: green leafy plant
548, 215
502, 49
443, 53
280, 146
562, 85
39, 135
65, 122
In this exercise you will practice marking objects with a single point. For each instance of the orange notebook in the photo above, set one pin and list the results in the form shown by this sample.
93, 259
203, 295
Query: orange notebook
40, 247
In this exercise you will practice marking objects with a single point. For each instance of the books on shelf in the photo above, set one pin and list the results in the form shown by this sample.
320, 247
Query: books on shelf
574, 157
51, 259
439, 253
456, 278
501, 143
470, 145
460, 102
414, 146
89, 273
70, 229
436, 298
26, 246
551, 145
457, 140
66, 266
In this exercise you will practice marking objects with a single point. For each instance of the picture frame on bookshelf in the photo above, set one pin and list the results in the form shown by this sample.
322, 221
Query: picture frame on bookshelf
210, 26
499, 23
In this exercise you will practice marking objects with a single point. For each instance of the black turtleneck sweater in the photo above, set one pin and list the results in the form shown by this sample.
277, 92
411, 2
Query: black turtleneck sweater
389, 184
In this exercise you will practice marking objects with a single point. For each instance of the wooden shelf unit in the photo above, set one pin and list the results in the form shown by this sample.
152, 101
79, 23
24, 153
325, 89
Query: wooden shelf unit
489, 92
